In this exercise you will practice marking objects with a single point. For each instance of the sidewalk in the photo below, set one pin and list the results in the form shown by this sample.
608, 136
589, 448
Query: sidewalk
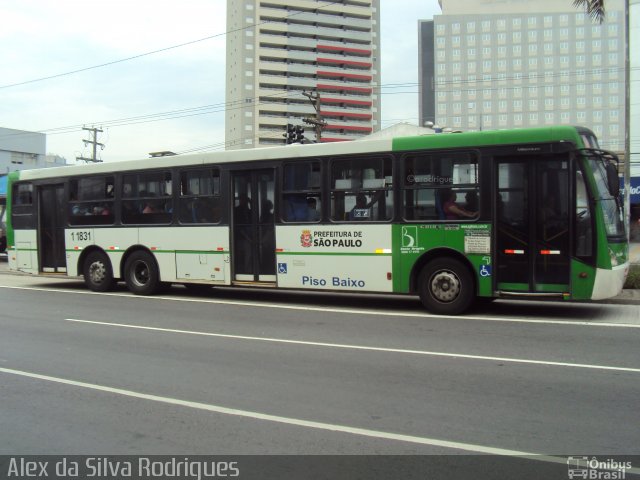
628, 296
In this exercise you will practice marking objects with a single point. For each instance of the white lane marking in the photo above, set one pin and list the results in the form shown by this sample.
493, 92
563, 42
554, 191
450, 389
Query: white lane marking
360, 347
338, 310
297, 422
276, 418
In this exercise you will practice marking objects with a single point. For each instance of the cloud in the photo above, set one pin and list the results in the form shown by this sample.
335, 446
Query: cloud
41, 39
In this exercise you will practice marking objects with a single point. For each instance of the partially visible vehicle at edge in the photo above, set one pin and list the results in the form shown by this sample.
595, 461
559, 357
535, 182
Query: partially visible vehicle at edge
3, 213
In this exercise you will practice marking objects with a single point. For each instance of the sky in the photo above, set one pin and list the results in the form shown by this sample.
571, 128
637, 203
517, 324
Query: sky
130, 98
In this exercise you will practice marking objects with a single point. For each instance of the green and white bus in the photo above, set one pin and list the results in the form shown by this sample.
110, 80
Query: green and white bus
451, 217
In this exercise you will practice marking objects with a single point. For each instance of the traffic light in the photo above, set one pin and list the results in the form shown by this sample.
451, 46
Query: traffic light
290, 134
299, 133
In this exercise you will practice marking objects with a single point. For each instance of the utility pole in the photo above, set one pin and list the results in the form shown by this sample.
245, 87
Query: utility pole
317, 122
95, 144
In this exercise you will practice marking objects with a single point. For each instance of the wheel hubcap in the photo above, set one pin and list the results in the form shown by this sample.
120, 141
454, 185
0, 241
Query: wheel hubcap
445, 286
97, 272
140, 274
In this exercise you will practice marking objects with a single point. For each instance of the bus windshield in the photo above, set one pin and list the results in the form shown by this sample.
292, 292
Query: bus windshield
610, 205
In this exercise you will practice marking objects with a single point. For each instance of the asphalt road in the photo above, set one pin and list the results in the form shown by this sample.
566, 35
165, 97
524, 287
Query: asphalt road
240, 372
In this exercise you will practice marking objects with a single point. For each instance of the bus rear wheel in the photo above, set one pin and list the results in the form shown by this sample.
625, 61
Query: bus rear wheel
446, 286
97, 271
142, 274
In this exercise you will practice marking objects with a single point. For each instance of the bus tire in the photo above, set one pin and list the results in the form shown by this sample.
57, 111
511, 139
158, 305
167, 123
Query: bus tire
142, 274
97, 272
446, 286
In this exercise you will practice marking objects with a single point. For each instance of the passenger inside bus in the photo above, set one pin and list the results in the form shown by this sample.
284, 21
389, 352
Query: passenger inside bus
152, 206
453, 211
471, 199
312, 214
362, 209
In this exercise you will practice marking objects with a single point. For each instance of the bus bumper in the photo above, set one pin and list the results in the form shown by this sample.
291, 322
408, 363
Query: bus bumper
609, 283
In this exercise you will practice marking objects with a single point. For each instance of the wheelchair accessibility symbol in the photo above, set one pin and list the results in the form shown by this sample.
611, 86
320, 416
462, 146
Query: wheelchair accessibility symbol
485, 270
282, 268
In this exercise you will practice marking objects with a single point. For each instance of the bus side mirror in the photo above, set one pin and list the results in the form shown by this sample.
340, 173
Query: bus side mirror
613, 182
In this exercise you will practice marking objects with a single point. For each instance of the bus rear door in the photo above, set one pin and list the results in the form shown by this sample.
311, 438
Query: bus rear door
51, 224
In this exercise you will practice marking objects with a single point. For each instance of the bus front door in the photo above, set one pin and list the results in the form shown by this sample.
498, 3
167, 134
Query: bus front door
253, 255
51, 223
532, 225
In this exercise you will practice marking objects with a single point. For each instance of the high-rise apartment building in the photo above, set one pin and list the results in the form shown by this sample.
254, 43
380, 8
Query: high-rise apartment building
278, 49
492, 64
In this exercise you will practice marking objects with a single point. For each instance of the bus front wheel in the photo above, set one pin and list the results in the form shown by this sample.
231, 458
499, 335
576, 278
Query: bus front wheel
142, 274
97, 271
446, 286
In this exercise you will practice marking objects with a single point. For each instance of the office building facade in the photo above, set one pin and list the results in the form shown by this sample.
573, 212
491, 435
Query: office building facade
278, 50
493, 64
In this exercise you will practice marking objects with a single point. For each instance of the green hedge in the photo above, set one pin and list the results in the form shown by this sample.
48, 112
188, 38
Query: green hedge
633, 279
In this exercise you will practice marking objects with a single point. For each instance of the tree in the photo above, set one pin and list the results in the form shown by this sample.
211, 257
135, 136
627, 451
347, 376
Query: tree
594, 8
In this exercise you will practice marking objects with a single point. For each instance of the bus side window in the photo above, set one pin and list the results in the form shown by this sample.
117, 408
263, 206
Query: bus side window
361, 189
200, 196
301, 196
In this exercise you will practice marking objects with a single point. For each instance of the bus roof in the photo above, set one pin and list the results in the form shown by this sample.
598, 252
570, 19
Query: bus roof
296, 151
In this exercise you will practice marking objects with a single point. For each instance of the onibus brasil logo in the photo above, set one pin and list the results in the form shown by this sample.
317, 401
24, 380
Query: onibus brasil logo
592, 468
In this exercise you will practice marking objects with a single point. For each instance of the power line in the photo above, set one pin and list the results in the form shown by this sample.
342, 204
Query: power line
153, 52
